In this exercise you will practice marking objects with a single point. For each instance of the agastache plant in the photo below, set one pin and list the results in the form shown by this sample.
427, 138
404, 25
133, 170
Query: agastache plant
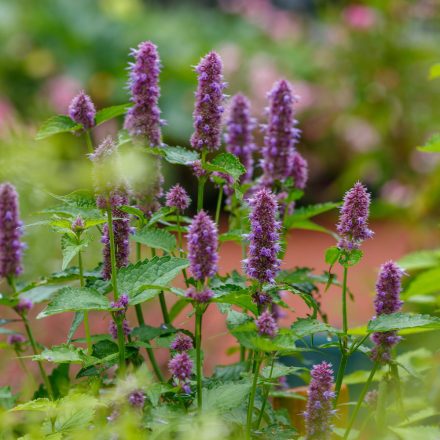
120, 390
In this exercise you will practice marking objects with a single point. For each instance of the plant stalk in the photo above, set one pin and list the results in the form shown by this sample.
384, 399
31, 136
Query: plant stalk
201, 187
266, 395
89, 142
250, 410
198, 340
219, 205
86, 313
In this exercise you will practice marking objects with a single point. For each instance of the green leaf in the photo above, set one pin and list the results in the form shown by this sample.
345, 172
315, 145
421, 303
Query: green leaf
225, 397
307, 225
361, 376
425, 283
147, 333
75, 299
77, 320
233, 235
332, 255
417, 432
132, 211
56, 124
40, 294
239, 298
70, 247
158, 271
351, 258
227, 163
7, 399
177, 155
227, 373
307, 326
62, 354
176, 308
434, 71
155, 238
44, 405
432, 145
279, 370
307, 212
398, 321
107, 113
420, 260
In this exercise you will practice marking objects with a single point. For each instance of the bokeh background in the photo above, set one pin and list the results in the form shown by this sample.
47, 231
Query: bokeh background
360, 68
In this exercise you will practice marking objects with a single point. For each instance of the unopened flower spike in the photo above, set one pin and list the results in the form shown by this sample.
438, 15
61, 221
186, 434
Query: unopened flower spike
82, 111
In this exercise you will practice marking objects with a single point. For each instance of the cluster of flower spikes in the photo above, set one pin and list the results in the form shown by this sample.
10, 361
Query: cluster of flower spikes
319, 410
280, 158
82, 111
202, 246
262, 263
266, 324
387, 301
239, 138
208, 107
177, 198
121, 306
143, 118
181, 365
353, 220
111, 195
11, 248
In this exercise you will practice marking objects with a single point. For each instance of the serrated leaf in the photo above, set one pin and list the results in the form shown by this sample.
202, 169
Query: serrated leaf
351, 258
306, 326
107, 113
420, 260
398, 321
75, 299
155, 238
225, 397
56, 124
61, 354
177, 155
40, 294
226, 163
44, 405
147, 333
70, 247
239, 298
432, 145
158, 271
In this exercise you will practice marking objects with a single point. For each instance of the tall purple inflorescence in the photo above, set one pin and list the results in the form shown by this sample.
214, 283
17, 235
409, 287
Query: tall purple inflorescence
299, 170
202, 246
182, 343
82, 110
11, 248
280, 134
266, 324
239, 138
143, 119
387, 301
181, 367
319, 410
178, 198
353, 220
262, 263
208, 108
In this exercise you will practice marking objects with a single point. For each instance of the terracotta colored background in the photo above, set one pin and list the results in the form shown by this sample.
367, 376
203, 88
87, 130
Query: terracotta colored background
306, 248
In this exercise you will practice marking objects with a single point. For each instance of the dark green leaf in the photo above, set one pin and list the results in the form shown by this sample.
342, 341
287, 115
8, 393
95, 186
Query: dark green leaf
306, 327
225, 397
332, 255
227, 163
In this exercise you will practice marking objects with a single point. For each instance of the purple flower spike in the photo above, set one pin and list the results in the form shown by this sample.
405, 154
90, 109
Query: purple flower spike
201, 297
202, 246
82, 110
178, 198
23, 306
262, 263
387, 301
11, 248
143, 119
198, 171
137, 399
121, 231
182, 343
239, 138
78, 225
319, 410
208, 108
113, 328
181, 366
280, 134
299, 170
267, 325
16, 339
353, 219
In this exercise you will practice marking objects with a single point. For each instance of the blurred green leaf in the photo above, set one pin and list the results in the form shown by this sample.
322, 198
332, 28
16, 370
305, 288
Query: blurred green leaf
61, 354
398, 321
420, 260
432, 145
70, 247
306, 326
434, 71
225, 397
107, 113
426, 283
417, 432
155, 238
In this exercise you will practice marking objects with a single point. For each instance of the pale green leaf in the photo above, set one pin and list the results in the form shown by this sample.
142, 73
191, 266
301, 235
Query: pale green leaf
398, 321
107, 113
61, 354
417, 432
306, 327
425, 283
70, 247
56, 124
225, 397
155, 238
420, 260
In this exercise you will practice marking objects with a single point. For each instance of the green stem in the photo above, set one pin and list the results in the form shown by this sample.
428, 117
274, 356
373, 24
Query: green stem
180, 244
36, 352
344, 347
201, 187
250, 410
266, 395
199, 372
86, 313
121, 339
360, 400
89, 142
242, 353
150, 353
163, 306
219, 205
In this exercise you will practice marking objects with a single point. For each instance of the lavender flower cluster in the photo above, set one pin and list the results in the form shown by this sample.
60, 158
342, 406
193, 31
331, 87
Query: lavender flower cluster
181, 365
387, 301
82, 111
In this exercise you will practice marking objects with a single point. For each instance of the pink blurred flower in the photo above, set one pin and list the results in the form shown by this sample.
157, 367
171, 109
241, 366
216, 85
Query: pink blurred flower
59, 91
360, 17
